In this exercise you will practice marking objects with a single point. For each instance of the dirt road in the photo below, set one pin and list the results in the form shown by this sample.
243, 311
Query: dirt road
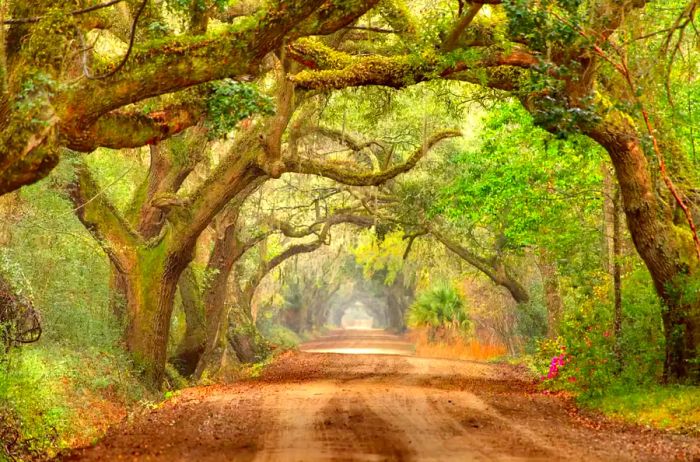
333, 407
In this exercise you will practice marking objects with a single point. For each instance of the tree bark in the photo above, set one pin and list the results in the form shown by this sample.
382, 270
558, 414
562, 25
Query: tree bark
243, 335
117, 292
227, 250
150, 290
617, 274
397, 304
667, 249
150, 264
191, 347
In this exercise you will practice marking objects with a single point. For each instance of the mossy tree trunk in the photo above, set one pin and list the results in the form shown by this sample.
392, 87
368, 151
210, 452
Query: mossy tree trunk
662, 239
149, 257
193, 341
217, 357
243, 334
151, 286
399, 297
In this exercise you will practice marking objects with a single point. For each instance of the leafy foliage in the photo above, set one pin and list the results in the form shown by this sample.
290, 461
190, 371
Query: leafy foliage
79, 360
596, 360
440, 308
522, 184
385, 255
231, 102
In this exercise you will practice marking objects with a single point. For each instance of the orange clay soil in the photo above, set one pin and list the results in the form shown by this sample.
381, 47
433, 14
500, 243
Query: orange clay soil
369, 407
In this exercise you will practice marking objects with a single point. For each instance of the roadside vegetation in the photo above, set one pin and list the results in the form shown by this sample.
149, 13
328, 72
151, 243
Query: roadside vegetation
188, 188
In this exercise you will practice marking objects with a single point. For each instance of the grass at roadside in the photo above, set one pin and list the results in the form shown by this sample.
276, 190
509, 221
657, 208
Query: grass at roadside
671, 407
455, 348
668, 407
56, 397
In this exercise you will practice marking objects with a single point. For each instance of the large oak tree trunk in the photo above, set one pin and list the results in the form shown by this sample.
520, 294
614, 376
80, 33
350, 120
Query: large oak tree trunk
216, 359
151, 281
666, 248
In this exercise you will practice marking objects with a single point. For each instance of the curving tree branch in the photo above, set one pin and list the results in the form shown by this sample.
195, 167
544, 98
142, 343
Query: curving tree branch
349, 176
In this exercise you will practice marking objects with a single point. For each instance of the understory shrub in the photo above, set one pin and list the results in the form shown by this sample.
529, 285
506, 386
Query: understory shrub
442, 311
77, 379
588, 359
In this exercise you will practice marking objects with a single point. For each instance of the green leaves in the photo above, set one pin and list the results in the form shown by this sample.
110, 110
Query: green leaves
386, 254
440, 307
231, 102
522, 184
544, 24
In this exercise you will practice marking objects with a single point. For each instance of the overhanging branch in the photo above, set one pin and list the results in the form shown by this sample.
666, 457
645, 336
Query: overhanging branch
353, 177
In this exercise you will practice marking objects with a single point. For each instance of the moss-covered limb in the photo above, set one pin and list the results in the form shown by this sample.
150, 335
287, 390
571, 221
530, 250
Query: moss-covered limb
290, 230
171, 163
102, 219
395, 72
276, 125
28, 135
156, 67
264, 268
320, 228
167, 65
397, 14
132, 129
332, 16
344, 216
353, 143
315, 54
505, 78
352, 177
450, 42
28, 169
331, 69
237, 173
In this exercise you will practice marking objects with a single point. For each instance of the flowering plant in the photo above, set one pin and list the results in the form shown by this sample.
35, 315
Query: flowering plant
556, 363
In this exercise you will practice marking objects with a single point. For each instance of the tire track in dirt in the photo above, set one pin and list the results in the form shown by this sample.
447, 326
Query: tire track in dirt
352, 431
328, 407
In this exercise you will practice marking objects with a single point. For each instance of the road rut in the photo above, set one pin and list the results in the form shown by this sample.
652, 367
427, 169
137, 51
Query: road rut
333, 407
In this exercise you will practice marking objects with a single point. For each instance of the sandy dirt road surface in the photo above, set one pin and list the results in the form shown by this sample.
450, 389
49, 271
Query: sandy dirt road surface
311, 406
